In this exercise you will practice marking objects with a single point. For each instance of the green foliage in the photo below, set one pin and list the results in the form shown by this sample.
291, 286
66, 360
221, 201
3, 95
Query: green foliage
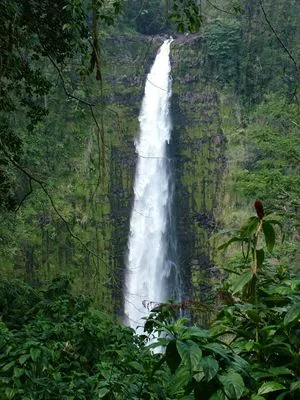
272, 166
35, 37
251, 350
187, 15
53, 345
264, 321
270, 170
201, 364
222, 47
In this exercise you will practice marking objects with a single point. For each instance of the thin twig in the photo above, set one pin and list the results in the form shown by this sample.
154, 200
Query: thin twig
295, 123
220, 9
277, 36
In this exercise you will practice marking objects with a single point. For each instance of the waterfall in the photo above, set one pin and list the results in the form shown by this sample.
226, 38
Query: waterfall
149, 266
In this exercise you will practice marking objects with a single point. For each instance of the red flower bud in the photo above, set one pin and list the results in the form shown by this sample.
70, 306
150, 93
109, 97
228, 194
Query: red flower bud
259, 209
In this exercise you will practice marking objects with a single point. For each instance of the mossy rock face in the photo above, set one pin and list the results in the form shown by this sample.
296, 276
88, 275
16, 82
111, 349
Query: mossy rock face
199, 144
101, 218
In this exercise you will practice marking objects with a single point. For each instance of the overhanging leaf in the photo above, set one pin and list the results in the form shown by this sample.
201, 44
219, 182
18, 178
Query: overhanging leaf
219, 395
173, 358
281, 348
240, 365
8, 366
277, 371
102, 392
295, 386
217, 349
10, 393
241, 281
269, 387
233, 385
210, 367
260, 256
228, 243
34, 353
137, 366
180, 379
23, 358
275, 222
292, 315
282, 395
190, 353
196, 333
269, 234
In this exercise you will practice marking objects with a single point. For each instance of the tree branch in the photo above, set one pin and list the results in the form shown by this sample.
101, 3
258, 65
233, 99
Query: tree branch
26, 195
87, 103
61, 217
220, 9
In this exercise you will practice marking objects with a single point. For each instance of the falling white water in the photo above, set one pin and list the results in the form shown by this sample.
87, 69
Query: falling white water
148, 268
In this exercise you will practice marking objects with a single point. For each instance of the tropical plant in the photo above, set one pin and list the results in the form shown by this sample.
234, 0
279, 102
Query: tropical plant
53, 345
251, 350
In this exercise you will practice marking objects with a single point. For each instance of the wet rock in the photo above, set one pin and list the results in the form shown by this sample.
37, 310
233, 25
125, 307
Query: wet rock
205, 220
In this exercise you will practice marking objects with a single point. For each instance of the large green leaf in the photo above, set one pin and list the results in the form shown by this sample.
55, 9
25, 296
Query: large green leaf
229, 242
180, 379
8, 366
216, 348
102, 392
282, 396
233, 384
278, 371
240, 365
137, 366
295, 284
275, 222
260, 257
282, 348
295, 386
269, 233
210, 367
173, 358
24, 358
292, 314
34, 353
10, 393
196, 333
241, 281
18, 372
269, 387
190, 353
199, 375
271, 373
219, 395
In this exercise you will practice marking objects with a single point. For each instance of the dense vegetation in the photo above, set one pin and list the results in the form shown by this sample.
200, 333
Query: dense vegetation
55, 346
60, 131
